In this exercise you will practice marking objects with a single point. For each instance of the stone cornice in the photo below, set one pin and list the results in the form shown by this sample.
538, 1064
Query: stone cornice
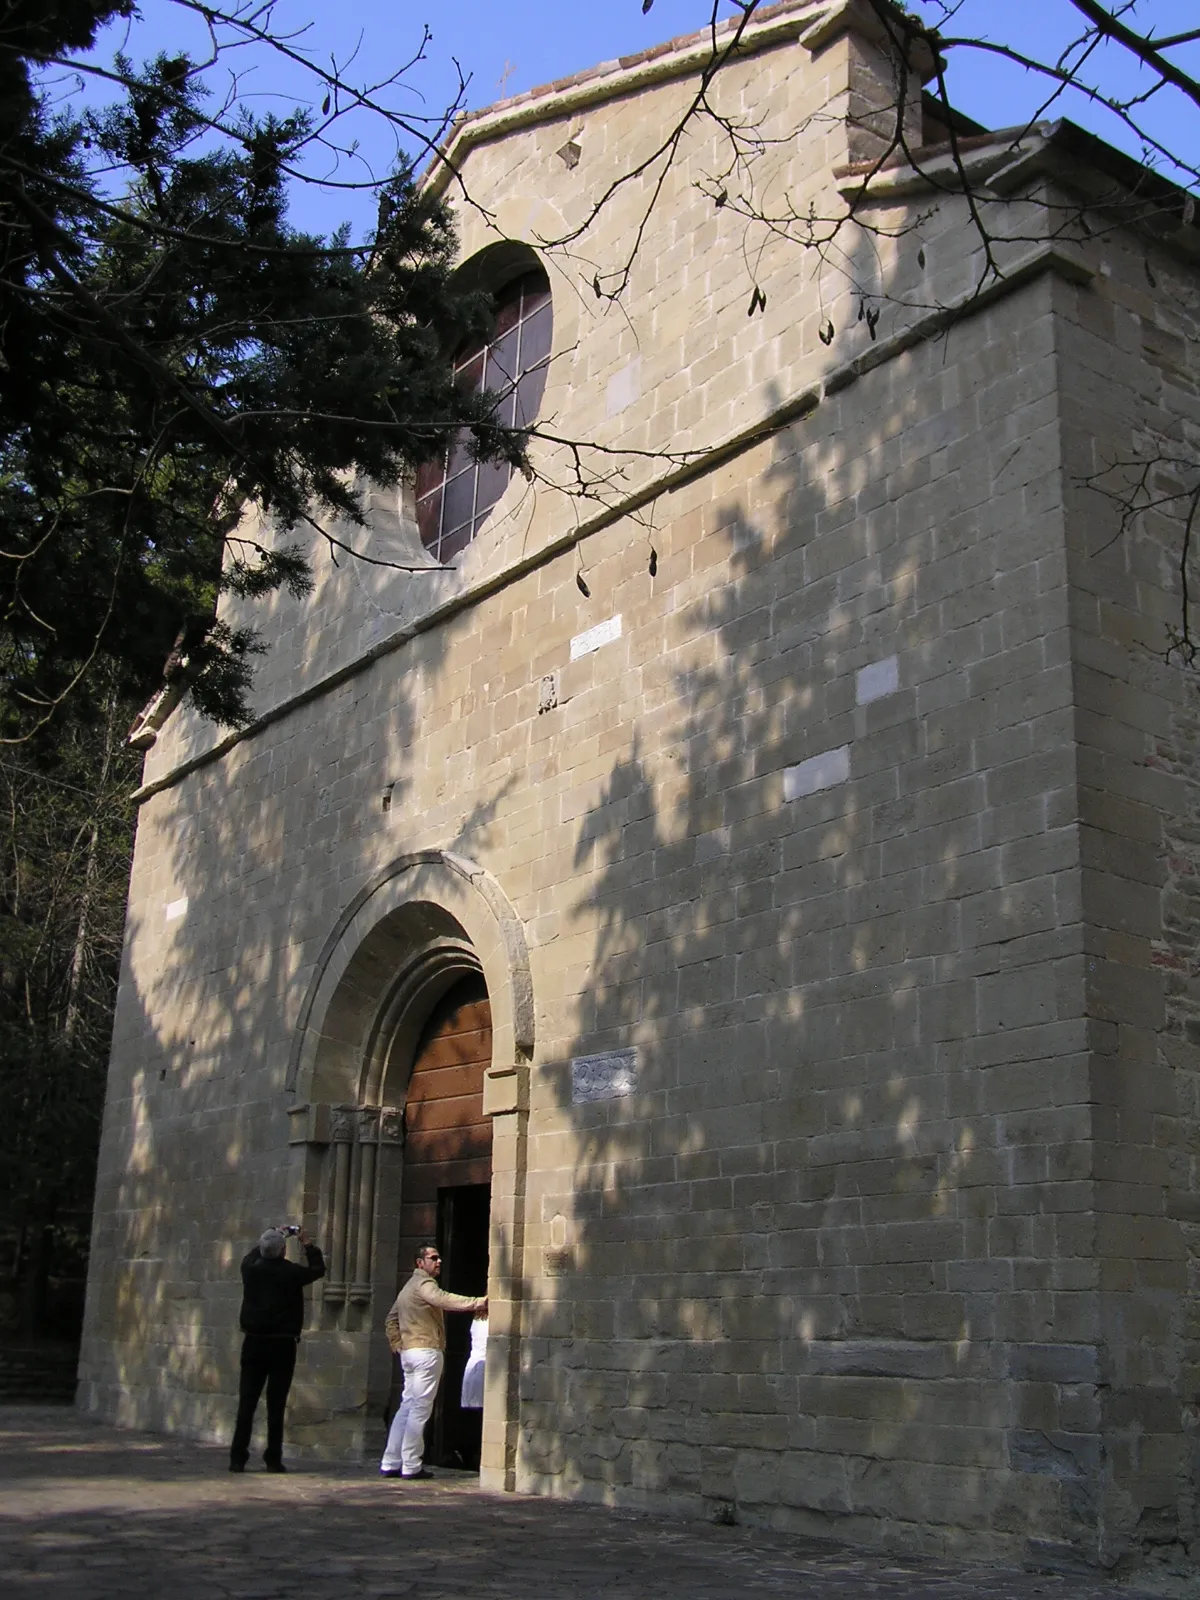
1002, 164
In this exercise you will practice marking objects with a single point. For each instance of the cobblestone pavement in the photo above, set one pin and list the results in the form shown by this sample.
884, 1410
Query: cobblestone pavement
91, 1513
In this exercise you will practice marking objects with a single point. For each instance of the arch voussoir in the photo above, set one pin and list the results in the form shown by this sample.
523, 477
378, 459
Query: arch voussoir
405, 910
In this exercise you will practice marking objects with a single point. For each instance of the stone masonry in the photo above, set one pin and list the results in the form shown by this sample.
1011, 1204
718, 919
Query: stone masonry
856, 831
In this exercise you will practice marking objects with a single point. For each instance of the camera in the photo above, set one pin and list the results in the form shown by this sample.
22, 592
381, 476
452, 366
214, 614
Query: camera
290, 1228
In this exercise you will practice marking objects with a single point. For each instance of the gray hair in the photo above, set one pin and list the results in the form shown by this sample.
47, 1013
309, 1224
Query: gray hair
272, 1244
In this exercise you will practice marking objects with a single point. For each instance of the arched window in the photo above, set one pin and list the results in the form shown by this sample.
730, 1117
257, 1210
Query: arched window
454, 493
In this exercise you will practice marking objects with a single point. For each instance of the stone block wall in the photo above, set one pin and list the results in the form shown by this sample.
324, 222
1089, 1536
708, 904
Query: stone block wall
1129, 413
810, 1227
865, 824
827, 1256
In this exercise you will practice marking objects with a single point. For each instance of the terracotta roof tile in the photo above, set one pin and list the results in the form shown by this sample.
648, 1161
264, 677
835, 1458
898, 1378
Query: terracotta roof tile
655, 52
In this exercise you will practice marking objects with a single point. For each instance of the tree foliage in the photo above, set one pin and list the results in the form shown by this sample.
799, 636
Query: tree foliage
66, 832
172, 352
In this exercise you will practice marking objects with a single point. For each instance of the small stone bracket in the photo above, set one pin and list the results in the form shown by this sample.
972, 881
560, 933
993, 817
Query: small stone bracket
505, 1089
309, 1124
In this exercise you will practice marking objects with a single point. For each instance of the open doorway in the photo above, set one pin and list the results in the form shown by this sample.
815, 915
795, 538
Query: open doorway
446, 1188
462, 1233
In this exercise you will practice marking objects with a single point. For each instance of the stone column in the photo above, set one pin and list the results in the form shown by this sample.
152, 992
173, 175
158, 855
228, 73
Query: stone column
339, 1203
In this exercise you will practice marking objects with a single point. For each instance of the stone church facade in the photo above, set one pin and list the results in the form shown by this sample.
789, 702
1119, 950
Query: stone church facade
810, 812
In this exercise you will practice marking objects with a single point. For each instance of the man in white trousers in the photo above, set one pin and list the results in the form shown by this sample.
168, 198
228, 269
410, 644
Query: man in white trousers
416, 1331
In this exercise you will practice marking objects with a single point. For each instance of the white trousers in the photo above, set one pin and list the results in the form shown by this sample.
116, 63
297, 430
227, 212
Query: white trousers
405, 1449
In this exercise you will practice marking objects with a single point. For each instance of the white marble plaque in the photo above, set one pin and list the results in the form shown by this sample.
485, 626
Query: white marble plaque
831, 767
603, 633
876, 680
176, 909
603, 1077
624, 387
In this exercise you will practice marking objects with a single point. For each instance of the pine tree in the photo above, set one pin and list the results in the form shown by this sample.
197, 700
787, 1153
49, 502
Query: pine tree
172, 352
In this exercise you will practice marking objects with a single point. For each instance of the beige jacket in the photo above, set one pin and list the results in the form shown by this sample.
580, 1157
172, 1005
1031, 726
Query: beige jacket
417, 1321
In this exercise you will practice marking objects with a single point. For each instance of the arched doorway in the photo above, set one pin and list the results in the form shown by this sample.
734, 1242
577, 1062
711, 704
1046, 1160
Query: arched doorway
409, 936
446, 1185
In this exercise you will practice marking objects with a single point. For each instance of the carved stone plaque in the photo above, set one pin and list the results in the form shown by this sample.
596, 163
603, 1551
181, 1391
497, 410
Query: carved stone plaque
603, 1077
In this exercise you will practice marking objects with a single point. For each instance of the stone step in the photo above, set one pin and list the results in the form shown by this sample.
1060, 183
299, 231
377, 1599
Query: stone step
32, 1373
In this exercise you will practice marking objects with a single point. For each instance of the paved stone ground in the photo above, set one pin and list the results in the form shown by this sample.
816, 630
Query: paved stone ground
92, 1513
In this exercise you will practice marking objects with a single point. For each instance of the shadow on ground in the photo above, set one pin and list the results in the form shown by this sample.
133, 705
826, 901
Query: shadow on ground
93, 1513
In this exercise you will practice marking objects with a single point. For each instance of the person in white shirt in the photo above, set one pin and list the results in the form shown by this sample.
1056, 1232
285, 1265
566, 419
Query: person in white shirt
472, 1384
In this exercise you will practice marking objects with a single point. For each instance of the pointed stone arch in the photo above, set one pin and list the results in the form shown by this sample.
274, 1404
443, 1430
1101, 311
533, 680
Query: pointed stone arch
422, 918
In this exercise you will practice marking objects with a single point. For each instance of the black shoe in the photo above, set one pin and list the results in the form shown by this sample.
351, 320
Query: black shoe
390, 1472
237, 1466
274, 1466
411, 1477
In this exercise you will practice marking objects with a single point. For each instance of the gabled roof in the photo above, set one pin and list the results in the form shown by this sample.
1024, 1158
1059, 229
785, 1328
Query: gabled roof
813, 23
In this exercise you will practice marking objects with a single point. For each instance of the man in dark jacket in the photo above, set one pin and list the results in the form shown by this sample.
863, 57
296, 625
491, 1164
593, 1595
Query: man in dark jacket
272, 1317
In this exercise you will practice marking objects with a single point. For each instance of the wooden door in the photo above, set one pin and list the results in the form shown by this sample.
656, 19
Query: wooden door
448, 1140
444, 1192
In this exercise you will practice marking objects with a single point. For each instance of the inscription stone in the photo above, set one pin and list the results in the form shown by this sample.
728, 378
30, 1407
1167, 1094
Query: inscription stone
583, 644
603, 1077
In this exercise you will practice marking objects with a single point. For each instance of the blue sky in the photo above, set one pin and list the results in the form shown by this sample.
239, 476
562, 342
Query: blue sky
510, 47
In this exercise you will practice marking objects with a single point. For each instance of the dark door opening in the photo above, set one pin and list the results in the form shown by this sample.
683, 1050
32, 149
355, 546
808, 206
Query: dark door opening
462, 1233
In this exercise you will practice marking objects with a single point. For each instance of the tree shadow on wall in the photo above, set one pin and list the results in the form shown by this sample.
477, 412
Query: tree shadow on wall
241, 872
800, 1254
801, 1241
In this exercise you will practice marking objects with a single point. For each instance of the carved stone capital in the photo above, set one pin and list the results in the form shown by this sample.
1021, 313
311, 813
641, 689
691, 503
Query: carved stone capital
391, 1125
